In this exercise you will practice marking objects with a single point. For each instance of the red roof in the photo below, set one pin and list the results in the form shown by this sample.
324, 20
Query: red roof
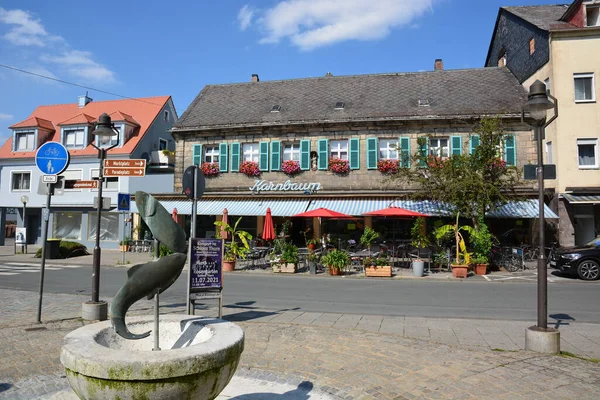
34, 122
121, 116
141, 112
79, 119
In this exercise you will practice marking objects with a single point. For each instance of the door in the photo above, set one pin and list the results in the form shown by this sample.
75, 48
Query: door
585, 229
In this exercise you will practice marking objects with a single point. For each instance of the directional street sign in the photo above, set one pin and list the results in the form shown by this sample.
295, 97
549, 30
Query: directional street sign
52, 158
110, 171
135, 163
85, 185
124, 200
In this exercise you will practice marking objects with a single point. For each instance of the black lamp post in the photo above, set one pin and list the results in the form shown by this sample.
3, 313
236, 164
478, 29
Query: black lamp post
24, 200
105, 131
537, 106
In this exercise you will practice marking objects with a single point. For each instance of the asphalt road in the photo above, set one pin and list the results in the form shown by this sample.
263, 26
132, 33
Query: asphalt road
514, 300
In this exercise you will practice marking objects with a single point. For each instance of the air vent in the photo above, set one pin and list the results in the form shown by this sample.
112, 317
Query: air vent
340, 105
424, 103
276, 108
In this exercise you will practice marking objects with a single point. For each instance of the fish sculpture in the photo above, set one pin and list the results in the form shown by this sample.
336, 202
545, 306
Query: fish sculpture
145, 280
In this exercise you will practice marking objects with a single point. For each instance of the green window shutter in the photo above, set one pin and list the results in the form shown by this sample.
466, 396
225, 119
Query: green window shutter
263, 157
235, 157
372, 153
223, 157
424, 151
510, 150
455, 145
305, 155
404, 152
275, 155
323, 147
473, 143
197, 154
355, 153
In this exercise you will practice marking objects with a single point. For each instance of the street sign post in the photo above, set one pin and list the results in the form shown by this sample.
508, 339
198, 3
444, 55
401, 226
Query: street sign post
133, 163
124, 171
85, 185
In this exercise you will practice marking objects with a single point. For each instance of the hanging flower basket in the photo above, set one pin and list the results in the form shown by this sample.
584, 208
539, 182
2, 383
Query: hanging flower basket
210, 169
250, 168
290, 167
339, 166
388, 166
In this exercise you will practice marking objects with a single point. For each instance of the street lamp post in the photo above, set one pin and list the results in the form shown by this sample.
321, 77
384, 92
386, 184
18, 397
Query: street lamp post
105, 131
25, 200
541, 338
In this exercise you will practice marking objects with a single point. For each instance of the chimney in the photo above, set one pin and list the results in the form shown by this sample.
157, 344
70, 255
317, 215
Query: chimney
255, 78
84, 100
329, 74
439, 65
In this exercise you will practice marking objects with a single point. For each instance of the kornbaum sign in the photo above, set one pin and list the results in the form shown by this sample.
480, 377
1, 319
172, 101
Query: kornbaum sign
287, 186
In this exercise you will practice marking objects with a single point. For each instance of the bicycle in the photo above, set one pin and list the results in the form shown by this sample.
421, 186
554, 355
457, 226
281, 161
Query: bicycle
508, 258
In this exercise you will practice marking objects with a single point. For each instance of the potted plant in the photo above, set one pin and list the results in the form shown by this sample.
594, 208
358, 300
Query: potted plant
210, 169
288, 259
339, 166
124, 244
250, 168
388, 166
461, 263
312, 244
482, 240
419, 240
313, 260
336, 260
368, 237
291, 167
233, 249
377, 267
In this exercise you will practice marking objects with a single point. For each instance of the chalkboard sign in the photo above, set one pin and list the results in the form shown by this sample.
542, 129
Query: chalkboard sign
205, 264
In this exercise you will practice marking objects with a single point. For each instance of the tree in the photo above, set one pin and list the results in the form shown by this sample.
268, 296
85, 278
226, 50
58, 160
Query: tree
472, 184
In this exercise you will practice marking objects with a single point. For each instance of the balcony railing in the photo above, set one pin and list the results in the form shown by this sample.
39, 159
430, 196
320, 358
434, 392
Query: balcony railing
162, 159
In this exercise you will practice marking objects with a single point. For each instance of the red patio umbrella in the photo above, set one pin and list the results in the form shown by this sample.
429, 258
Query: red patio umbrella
394, 211
268, 229
225, 220
174, 214
322, 213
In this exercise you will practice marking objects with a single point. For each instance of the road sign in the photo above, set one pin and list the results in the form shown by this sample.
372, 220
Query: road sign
124, 200
135, 163
49, 178
85, 185
188, 182
530, 171
58, 187
110, 171
52, 158
105, 203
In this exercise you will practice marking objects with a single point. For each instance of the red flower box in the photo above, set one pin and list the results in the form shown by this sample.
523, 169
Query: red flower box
339, 166
210, 169
389, 166
250, 168
290, 167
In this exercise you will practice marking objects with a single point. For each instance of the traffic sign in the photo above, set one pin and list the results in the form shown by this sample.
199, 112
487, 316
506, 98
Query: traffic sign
110, 171
124, 200
85, 185
188, 182
134, 163
52, 158
106, 203
49, 178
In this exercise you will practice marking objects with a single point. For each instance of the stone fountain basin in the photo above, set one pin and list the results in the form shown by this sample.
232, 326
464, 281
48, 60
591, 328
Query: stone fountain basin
198, 358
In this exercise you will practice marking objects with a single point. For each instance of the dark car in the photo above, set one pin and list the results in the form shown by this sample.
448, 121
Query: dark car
583, 261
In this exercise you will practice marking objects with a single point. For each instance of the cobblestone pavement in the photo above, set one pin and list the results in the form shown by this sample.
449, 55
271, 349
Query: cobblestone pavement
346, 356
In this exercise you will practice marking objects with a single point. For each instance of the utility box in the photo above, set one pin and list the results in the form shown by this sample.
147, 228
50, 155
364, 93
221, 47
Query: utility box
53, 249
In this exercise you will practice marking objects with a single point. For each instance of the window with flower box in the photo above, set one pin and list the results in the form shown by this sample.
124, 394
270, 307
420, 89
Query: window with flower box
438, 147
211, 154
291, 151
388, 149
339, 149
250, 152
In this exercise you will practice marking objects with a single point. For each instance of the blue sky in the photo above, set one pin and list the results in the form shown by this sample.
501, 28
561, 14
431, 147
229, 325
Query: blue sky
149, 48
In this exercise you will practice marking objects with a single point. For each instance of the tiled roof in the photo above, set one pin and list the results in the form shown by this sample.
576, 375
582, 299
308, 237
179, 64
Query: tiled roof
34, 122
145, 111
449, 93
544, 17
121, 116
79, 119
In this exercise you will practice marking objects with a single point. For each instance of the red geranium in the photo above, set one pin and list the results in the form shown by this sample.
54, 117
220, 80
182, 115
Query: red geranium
339, 166
210, 169
290, 167
388, 166
250, 168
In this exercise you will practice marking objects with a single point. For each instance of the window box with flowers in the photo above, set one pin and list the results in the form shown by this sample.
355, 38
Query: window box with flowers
250, 168
388, 166
339, 166
210, 169
290, 167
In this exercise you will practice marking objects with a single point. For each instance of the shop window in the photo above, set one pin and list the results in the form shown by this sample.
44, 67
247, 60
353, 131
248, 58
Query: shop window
109, 227
74, 138
438, 147
21, 181
291, 151
388, 149
211, 154
66, 225
584, 88
339, 149
25, 141
250, 152
110, 183
587, 153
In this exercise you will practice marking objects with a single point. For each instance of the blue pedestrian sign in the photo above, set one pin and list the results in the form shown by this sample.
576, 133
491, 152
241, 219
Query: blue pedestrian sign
52, 158
123, 201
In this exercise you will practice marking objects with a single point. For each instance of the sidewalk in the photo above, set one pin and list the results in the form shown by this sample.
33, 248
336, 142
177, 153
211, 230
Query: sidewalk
345, 356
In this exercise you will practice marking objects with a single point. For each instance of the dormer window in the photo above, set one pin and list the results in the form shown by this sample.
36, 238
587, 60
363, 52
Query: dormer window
592, 15
502, 59
340, 105
25, 141
74, 138
276, 108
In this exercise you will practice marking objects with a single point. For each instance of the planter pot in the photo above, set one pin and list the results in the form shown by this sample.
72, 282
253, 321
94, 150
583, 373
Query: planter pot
459, 271
124, 247
480, 269
312, 268
228, 266
288, 268
335, 271
418, 266
381, 271
311, 246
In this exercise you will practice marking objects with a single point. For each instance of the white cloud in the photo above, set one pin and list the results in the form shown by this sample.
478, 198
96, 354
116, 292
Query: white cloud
245, 16
314, 23
81, 64
25, 30
6, 116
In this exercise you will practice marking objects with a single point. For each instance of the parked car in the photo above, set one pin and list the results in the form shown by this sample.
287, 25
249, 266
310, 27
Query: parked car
583, 260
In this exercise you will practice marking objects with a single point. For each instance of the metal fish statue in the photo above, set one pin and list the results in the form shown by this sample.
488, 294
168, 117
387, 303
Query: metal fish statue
144, 280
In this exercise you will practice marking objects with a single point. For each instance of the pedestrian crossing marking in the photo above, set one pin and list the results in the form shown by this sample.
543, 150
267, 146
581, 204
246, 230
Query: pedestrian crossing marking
16, 268
8, 273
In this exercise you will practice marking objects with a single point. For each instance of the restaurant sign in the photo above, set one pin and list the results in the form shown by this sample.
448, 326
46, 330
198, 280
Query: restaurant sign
287, 186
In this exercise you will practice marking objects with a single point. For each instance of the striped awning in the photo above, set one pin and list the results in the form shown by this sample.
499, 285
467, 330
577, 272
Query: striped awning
358, 207
578, 199
184, 207
522, 209
253, 206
